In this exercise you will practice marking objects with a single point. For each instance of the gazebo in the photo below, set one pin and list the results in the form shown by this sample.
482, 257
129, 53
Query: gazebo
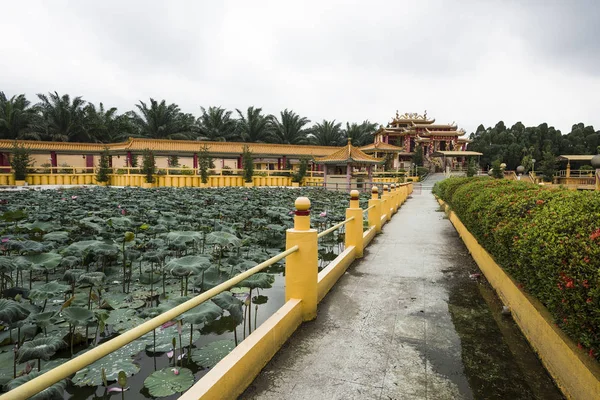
448, 157
382, 148
338, 166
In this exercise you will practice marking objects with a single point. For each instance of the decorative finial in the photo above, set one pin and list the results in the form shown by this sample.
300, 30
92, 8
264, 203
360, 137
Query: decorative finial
425, 115
397, 114
349, 141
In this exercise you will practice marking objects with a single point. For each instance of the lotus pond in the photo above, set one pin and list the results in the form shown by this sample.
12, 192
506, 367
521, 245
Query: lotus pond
80, 266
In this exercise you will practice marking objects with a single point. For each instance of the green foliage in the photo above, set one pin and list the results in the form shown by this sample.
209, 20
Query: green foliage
104, 167
148, 165
471, 168
205, 162
417, 158
169, 381
20, 161
54, 392
497, 171
248, 164
301, 173
547, 240
548, 166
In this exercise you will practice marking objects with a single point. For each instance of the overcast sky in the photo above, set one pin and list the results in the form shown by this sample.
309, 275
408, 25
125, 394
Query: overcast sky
466, 61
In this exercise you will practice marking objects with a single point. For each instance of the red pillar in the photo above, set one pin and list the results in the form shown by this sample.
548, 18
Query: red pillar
239, 162
129, 158
284, 162
195, 160
53, 161
278, 164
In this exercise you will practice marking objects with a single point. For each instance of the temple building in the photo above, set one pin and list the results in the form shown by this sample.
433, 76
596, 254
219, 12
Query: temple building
409, 130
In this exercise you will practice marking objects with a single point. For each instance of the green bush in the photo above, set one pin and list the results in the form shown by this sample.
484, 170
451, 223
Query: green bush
548, 240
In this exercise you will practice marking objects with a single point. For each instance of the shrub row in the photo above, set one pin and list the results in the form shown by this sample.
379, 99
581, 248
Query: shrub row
548, 240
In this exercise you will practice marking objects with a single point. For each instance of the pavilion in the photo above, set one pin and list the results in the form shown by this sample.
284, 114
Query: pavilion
339, 166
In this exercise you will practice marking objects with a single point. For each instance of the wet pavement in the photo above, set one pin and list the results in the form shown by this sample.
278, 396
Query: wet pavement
408, 321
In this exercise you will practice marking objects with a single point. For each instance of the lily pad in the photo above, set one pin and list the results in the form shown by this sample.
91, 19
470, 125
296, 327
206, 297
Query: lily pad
112, 364
169, 381
209, 355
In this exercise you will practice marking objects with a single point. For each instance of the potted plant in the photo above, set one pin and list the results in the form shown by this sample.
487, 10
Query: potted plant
248, 164
148, 168
102, 174
19, 162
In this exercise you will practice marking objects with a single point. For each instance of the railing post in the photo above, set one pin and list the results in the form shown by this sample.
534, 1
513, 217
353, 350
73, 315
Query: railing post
301, 267
394, 194
388, 202
354, 228
375, 212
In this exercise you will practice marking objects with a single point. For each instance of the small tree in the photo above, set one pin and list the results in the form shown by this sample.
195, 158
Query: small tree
497, 169
104, 167
148, 165
417, 158
471, 168
301, 173
20, 161
548, 165
205, 162
248, 164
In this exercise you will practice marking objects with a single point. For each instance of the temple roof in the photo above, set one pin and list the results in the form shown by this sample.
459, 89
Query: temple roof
349, 155
411, 117
381, 147
173, 146
429, 126
456, 154
445, 133
575, 157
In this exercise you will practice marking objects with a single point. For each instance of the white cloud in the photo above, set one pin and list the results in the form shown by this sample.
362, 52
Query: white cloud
469, 62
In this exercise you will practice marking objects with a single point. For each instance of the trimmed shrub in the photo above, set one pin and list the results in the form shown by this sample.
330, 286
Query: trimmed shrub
548, 240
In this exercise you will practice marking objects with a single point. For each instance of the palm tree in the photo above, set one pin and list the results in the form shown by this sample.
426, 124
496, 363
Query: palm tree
61, 118
162, 121
216, 124
254, 126
290, 130
106, 126
327, 133
16, 116
361, 134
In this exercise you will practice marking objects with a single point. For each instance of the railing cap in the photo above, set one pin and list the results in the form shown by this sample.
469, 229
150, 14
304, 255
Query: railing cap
374, 189
302, 204
354, 194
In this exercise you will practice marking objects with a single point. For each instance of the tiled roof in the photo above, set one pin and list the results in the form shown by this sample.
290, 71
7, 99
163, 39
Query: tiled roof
348, 155
381, 146
175, 146
576, 157
455, 153
445, 133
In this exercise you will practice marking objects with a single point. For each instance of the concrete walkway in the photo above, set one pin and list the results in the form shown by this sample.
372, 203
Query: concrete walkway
385, 331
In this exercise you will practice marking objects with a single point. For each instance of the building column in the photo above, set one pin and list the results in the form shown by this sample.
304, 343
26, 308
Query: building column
568, 169
278, 164
239, 162
195, 161
370, 173
129, 159
349, 175
284, 162
53, 161
324, 166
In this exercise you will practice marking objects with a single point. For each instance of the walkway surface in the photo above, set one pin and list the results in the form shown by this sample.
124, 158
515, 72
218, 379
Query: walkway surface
385, 331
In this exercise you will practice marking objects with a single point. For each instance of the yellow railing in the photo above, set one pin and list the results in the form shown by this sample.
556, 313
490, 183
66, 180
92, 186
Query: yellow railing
304, 288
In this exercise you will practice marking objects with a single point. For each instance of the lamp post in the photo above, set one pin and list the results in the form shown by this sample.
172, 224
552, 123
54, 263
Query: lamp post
533, 166
520, 170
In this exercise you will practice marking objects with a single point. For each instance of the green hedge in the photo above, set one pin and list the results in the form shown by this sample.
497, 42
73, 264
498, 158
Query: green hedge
548, 240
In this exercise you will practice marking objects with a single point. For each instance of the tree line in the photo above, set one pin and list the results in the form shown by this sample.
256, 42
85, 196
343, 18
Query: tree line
55, 117
520, 145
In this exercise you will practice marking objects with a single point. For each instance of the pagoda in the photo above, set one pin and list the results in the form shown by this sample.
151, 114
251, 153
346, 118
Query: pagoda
409, 130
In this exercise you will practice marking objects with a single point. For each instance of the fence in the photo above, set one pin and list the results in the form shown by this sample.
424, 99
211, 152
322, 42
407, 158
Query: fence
304, 288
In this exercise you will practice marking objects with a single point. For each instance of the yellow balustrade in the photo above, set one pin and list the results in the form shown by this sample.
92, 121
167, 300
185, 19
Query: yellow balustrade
354, 229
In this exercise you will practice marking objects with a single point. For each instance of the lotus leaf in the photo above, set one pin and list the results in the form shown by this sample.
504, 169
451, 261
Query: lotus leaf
48, 291
40, 348
44, 260
78, 316
11, 311
166, 382
58, 236
113, 363
205, 312
209, 355
54, 392
223, 239
43, 320
92, 278
259, 280
230, 303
